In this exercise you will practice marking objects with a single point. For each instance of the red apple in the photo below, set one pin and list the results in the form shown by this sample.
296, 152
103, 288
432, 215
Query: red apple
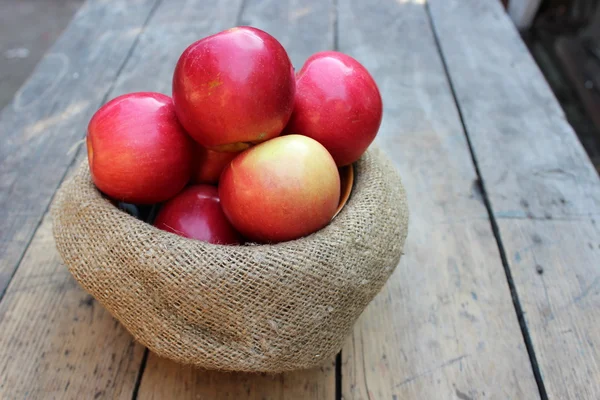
280, 190
209, 164
137, 150
196, 213
234, 89
338, 104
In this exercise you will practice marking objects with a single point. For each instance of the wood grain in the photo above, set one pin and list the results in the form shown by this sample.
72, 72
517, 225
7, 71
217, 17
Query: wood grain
303, 27
49, 114
164, 379
444, 326
555, 265
544, 192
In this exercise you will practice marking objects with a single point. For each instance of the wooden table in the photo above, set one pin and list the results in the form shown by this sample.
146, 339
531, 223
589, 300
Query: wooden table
498, 294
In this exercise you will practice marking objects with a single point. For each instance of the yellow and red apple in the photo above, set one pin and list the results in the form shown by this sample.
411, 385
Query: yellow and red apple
280, 190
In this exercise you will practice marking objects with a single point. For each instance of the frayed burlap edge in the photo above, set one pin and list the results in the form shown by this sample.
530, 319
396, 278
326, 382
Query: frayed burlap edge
269, 308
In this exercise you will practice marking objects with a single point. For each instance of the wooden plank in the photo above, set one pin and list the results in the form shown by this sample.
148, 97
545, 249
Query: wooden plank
303, 27
50, 113
165, 379
543, 191
444, 325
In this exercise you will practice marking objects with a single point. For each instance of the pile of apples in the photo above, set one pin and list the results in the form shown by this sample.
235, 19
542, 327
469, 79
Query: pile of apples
245, 149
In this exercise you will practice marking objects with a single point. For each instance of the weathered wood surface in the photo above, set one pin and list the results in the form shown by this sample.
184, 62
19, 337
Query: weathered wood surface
49, 114
444, 326
165, 379
555, 267
287, 21
543, 191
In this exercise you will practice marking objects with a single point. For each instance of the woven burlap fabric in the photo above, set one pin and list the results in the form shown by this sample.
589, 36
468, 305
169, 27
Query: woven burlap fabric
270, 308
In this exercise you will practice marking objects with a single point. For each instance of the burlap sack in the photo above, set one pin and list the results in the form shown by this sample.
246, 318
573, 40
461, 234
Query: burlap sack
269, 308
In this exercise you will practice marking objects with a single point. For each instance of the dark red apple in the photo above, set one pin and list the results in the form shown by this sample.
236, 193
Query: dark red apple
234, 89
280, 190
196, 213
137, 150
209, 164
338, 104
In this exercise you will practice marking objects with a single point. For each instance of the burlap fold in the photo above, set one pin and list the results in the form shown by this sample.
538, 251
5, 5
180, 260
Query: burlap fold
269, 308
